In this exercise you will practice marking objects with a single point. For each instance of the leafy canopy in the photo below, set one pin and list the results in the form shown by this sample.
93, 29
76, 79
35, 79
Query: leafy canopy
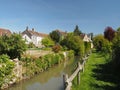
55, 36
13, 45
102, 44
73, 43
47, 42
109, 33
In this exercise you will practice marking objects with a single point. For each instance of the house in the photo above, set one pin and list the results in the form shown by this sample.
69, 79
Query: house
31, 36
5, 32
87, 38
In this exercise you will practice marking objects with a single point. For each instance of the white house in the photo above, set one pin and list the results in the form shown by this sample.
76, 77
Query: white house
87, 38
31, 36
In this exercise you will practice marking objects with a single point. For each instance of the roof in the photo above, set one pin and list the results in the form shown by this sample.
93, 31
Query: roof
4, 32
82, 36
34, 33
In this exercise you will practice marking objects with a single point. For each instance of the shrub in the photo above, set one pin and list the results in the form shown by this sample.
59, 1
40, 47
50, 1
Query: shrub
6, 68
56, 48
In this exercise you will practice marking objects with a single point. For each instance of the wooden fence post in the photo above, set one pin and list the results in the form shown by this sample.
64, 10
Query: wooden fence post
65, 77
78, 78
78, 75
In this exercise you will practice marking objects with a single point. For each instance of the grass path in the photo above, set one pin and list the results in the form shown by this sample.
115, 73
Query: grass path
97, 75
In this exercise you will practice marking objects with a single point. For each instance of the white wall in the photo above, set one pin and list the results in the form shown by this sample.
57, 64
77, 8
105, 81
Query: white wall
34, 39
25, 37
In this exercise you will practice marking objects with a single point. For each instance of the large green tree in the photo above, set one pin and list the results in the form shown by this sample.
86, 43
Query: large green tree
102, 44
13, 45
73, 43
55, 35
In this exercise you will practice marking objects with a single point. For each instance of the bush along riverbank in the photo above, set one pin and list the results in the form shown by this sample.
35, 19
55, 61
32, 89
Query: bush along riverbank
28, 66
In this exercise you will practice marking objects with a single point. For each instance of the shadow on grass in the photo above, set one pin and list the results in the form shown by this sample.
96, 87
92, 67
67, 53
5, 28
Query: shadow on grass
105, 73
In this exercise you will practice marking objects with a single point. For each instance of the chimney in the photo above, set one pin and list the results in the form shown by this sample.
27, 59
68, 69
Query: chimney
33, 29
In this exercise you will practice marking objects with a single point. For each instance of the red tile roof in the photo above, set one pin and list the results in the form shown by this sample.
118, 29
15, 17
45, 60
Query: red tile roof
4, 32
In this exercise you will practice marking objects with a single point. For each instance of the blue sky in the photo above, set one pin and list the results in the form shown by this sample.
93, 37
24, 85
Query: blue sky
47, 15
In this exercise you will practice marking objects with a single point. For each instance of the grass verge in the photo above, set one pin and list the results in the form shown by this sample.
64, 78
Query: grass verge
98, 75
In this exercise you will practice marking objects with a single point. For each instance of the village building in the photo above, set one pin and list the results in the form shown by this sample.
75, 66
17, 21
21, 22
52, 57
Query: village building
5, 32
87, 38
31, 36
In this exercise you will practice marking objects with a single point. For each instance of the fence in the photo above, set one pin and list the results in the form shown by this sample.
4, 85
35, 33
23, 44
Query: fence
68, 81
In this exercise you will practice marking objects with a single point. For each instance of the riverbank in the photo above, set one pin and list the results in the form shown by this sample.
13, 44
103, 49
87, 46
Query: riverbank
29, 66
51, 79
97, 75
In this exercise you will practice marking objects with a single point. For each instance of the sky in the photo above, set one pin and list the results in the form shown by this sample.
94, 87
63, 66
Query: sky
48, 15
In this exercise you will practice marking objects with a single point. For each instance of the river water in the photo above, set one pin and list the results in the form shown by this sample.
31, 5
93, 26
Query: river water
52, 79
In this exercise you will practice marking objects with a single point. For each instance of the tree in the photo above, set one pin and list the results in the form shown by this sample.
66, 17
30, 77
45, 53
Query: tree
55, 35
118, 29
116, 51
77, 31
17, 46
47, 42
102, 44
74, 43
109, 33
13, 45
4, 47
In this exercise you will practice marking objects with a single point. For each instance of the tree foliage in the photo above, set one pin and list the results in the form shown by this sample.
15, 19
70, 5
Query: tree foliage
47, 42
6, 67
13, 45
102, 44
55, 36
87, 46
109, 33
116, 51
31, 45
74, 43
77, 30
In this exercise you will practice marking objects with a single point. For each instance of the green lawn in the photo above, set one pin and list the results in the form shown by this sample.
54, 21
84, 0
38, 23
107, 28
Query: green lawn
97, 75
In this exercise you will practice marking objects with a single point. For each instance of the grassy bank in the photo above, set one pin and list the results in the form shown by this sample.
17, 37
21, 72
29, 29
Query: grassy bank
98, 75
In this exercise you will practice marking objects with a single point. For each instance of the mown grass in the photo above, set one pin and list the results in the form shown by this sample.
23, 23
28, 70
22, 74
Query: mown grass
98, 75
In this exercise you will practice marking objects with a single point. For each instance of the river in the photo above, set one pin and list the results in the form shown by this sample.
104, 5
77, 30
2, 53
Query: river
52, 79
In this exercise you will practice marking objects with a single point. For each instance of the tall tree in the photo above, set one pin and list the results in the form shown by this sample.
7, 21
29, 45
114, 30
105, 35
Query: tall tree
74, 43
109, 33
77, 30
55, 35
102, 44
